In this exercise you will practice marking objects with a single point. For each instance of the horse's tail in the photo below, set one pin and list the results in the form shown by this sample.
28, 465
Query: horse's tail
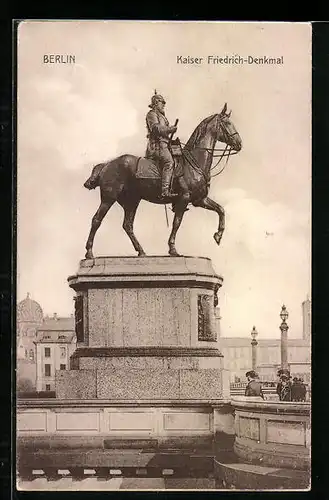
93, 181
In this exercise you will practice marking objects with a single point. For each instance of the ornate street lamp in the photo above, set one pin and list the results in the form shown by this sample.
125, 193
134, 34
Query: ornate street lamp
254, 344
284, 338
284, 315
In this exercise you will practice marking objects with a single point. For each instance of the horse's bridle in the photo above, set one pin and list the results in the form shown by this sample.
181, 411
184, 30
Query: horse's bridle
226, 152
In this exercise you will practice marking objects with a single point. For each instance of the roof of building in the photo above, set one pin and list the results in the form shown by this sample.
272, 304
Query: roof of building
246, 342
57, 323
29, 310
54, 337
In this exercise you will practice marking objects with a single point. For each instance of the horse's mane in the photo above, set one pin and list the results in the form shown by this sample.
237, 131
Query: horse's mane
199, 132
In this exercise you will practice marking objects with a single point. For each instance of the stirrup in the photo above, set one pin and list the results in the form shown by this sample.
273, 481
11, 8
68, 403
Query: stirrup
168, 195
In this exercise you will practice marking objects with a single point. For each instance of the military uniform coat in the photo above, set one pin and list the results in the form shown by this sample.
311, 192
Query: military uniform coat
158, 138
157, 126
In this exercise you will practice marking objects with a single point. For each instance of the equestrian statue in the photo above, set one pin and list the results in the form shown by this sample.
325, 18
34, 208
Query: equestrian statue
170, 172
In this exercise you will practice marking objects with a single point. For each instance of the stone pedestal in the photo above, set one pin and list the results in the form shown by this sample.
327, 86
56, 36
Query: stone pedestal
146, 329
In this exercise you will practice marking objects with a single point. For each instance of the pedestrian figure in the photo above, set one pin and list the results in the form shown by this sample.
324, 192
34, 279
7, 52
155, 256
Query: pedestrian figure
302, 390
254, 387
283, 375
284, 388
296, 390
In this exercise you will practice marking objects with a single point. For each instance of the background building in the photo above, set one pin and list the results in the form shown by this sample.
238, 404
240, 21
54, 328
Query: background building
31, 327
29, 319
237, 353
55, 343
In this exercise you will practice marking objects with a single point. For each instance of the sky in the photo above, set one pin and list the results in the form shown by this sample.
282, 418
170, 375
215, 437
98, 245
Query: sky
73, 116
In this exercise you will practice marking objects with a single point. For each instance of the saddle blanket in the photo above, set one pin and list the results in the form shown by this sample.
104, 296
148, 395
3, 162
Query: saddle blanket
147, 169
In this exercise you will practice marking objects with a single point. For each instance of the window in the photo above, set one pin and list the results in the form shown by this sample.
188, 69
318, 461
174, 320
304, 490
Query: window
63, 352
47, 352
47, 370
62, 367
63, 337
26, 353
47, 387
31, 355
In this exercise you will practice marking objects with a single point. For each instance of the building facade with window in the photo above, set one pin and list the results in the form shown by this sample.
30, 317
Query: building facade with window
31, 324
55, 343
238, 357
29, 318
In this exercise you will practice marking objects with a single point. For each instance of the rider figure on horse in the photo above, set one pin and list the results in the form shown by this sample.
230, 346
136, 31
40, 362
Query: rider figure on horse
158, 146
158, 150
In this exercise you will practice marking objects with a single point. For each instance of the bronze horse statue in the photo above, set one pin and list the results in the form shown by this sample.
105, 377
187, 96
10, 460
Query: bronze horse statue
118, 181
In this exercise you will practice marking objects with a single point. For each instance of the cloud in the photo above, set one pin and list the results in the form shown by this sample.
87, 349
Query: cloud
266, 262
83, 128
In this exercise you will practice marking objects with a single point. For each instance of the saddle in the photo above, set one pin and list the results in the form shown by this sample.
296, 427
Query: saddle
150, 169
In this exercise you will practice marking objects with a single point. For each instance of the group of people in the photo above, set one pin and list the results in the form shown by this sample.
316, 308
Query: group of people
290, 391
286, 390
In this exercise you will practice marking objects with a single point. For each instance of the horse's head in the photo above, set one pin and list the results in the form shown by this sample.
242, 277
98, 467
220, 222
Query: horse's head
226, 131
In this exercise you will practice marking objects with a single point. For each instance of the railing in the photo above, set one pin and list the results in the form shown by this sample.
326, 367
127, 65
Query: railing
269, 391
266, 384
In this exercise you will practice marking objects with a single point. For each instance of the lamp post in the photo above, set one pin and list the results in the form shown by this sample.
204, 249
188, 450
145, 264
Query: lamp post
254, 344
284, 338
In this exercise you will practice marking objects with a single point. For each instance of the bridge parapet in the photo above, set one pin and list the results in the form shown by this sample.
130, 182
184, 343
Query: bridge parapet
272, 433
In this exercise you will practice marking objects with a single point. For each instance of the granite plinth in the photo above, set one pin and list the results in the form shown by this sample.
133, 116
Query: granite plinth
201, 384
76, 384
146, 357
145, 301
146, 384
141, 384
148, 362
146, 329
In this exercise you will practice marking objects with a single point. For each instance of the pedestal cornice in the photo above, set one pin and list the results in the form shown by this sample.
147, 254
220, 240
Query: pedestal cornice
155, 351
150, 272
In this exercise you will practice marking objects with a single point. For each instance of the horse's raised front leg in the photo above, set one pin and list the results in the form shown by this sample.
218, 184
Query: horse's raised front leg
210, 204
179, 209
95, 223
130, 207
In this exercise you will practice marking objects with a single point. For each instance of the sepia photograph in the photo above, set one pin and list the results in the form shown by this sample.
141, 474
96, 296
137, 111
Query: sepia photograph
164, 176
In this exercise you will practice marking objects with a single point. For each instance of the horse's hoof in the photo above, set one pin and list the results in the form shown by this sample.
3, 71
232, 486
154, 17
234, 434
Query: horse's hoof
89, 254
141, 254
173, 253
218, 237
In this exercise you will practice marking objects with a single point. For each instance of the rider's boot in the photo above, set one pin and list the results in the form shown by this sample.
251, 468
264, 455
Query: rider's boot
166, 179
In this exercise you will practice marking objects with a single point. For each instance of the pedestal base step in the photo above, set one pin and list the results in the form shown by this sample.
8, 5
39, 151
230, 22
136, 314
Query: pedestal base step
133, 383
244, 476
179, 444
105, 463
